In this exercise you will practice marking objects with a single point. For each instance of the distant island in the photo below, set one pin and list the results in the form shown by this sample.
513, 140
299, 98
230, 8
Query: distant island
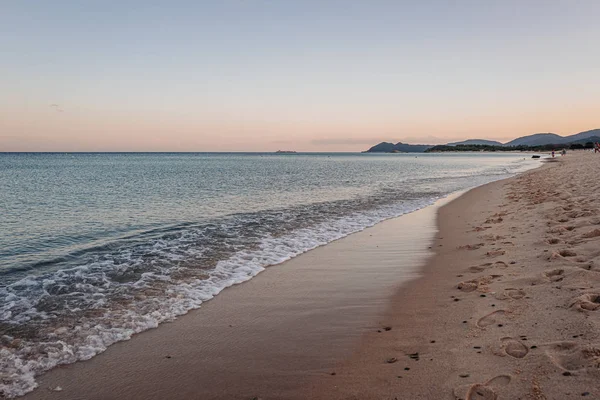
535, 142
285, 152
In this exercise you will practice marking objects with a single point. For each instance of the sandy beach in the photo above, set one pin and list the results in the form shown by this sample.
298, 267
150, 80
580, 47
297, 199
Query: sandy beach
506, 308
271, 337
300, 200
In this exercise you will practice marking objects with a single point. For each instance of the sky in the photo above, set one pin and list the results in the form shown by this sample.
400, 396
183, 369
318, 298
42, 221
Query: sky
307, 75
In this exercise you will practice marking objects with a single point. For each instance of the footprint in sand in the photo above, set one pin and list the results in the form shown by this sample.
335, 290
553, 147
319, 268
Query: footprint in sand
554, 255
587, 302
491, 318
477, 283
468, 286
495, 253
555, 275
558, 229
553, 241
516, 294
492, 237
514, 348
471, 246
482, 391
591, 234
482, 267
494, 220
475, 270
567, 253
511, 293
573, 357
583, 213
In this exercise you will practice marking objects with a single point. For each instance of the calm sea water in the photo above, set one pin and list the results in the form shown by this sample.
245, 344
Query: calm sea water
97, 247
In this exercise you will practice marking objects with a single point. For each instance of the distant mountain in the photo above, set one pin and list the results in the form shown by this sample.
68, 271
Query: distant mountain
582, 135
537, 139
593, 139
475, 141
411, 148
540, 139
585, 143
385, 147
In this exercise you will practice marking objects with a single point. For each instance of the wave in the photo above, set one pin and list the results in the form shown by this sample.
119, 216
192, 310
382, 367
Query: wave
109, 293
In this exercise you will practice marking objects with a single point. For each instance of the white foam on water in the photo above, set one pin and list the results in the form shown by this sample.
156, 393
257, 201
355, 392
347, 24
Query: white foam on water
22, 360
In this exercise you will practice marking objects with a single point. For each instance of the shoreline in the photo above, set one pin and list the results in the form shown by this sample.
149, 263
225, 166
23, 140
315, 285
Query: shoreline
507, 308
138, 282
60, 376
416, 358
312, 311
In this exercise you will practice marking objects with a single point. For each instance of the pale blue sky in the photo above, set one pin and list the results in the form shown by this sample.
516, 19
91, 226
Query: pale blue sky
260, 75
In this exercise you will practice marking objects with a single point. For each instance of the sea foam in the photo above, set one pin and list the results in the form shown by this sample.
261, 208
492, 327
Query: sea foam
75, 313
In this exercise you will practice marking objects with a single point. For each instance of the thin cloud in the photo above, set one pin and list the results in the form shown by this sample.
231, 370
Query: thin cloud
56, 107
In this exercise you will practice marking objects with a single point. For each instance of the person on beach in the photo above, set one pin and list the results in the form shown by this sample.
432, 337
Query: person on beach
552, 153
563, 152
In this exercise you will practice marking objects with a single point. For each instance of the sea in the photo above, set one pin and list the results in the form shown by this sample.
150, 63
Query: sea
96, 247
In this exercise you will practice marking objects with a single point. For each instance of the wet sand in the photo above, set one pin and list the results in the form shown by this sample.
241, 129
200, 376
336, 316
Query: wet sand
508, 307
271, 337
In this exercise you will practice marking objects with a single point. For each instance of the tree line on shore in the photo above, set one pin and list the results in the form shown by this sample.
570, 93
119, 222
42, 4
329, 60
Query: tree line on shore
483, 147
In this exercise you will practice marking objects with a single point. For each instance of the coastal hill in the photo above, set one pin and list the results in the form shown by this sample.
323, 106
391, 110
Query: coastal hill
385, 147
541, 139
593, 139
475, 141
537, 139
583, 135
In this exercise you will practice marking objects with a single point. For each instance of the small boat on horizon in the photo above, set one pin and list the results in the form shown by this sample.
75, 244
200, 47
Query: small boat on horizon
285, 152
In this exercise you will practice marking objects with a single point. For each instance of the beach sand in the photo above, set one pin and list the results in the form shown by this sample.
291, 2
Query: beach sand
269, 337
508, 307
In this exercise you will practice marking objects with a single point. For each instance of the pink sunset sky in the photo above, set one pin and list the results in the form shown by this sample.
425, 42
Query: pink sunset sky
305, 76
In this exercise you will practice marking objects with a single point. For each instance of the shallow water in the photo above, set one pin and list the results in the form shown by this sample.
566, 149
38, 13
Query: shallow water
97, 247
